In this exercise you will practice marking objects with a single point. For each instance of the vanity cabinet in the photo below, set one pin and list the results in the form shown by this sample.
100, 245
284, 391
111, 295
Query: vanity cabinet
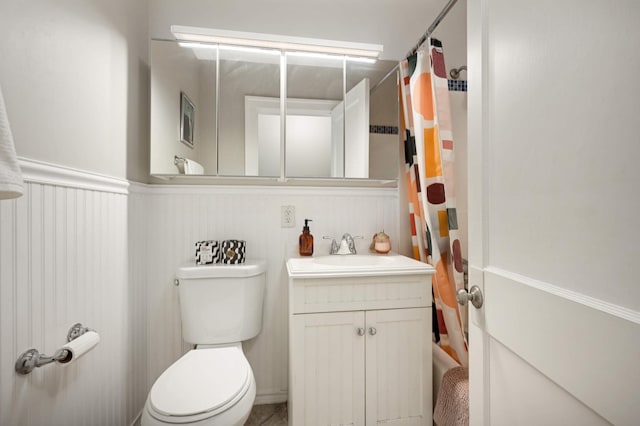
360, 349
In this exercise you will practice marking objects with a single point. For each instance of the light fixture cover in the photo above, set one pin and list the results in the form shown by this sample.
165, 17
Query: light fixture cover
273, 41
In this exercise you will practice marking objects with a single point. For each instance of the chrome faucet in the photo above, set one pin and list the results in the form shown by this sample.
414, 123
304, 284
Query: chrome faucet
347, 245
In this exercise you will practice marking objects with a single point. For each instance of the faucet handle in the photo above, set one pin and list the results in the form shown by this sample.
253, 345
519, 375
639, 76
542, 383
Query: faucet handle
334, 245
352, 243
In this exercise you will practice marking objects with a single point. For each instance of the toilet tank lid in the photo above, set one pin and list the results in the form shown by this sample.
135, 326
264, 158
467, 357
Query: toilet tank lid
249, 268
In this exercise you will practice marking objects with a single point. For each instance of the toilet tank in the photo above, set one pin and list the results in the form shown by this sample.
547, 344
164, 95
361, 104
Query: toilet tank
221, 303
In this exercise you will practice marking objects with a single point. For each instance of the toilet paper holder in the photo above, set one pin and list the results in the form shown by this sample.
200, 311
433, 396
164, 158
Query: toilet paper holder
32, 358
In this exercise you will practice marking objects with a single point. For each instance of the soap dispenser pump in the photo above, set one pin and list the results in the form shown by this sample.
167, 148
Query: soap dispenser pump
305, 241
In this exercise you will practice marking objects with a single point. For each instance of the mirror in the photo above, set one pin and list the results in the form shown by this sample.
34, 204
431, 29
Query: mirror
235, 96
244, 75
383, 115
176, 71
314, 138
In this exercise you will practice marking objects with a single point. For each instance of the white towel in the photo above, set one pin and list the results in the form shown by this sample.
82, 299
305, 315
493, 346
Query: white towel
10, 175
193, 168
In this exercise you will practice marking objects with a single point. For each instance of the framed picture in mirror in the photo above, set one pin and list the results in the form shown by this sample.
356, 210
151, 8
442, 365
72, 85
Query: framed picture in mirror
187, 120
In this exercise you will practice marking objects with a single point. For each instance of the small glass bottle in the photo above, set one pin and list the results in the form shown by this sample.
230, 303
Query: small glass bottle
381, 243
305, 242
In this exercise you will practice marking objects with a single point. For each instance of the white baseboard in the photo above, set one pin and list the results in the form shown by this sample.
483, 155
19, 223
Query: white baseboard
271, 397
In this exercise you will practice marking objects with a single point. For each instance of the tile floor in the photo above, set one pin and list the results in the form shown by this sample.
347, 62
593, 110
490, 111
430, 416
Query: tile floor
268, 415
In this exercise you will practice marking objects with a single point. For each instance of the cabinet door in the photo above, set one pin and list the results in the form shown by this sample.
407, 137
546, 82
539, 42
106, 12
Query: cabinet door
398, 352
327, 367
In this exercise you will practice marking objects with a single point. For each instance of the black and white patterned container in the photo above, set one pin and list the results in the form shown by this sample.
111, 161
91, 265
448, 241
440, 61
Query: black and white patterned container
233, 251
207, 252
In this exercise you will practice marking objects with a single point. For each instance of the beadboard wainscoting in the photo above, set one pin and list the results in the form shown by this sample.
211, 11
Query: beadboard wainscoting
63, 259
178, 216
80, 247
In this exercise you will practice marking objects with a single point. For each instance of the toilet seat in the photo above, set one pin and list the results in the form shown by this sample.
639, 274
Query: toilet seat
201, 384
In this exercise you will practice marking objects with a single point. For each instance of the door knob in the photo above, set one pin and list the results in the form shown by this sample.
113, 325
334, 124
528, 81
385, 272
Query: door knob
474, 296
360, 331
372, 331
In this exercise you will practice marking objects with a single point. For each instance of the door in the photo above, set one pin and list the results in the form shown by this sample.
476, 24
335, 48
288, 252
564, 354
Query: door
356, 131
553, 205
398, 356
328, 368
350, 138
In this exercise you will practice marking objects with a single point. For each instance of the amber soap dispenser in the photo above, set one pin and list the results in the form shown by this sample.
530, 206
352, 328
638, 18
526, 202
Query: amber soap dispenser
305, 241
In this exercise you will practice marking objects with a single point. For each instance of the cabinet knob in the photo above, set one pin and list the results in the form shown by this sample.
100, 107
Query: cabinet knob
360, 331
372, 331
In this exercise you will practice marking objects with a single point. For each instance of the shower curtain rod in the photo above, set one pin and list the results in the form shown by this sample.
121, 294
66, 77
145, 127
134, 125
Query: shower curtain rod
422, 39
433, 26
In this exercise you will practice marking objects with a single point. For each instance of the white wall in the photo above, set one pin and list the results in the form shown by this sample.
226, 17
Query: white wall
74, 78
63, 260
176, 217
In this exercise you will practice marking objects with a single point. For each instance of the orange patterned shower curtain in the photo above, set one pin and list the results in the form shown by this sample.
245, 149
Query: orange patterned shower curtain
429, 157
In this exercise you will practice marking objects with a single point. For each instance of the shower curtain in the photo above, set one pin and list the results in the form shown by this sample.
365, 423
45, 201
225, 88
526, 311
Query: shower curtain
429, 158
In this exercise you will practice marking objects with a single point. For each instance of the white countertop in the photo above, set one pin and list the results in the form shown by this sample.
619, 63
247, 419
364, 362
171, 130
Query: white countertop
354, 265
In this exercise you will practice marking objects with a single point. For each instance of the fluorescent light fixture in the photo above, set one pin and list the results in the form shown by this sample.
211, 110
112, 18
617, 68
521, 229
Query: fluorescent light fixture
272, 41
363, 60
316, 55
197, 45
249, 49
331, 57
194, 45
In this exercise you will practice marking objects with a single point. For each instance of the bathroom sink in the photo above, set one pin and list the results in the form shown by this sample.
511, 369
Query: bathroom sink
354, 265
358, 260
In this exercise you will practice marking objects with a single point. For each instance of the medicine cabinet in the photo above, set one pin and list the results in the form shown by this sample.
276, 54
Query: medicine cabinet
336, 127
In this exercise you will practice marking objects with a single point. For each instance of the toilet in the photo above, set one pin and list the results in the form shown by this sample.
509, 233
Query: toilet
212, 384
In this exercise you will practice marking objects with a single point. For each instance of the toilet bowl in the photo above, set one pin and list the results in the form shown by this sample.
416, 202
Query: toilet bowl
207, 386
213, 384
